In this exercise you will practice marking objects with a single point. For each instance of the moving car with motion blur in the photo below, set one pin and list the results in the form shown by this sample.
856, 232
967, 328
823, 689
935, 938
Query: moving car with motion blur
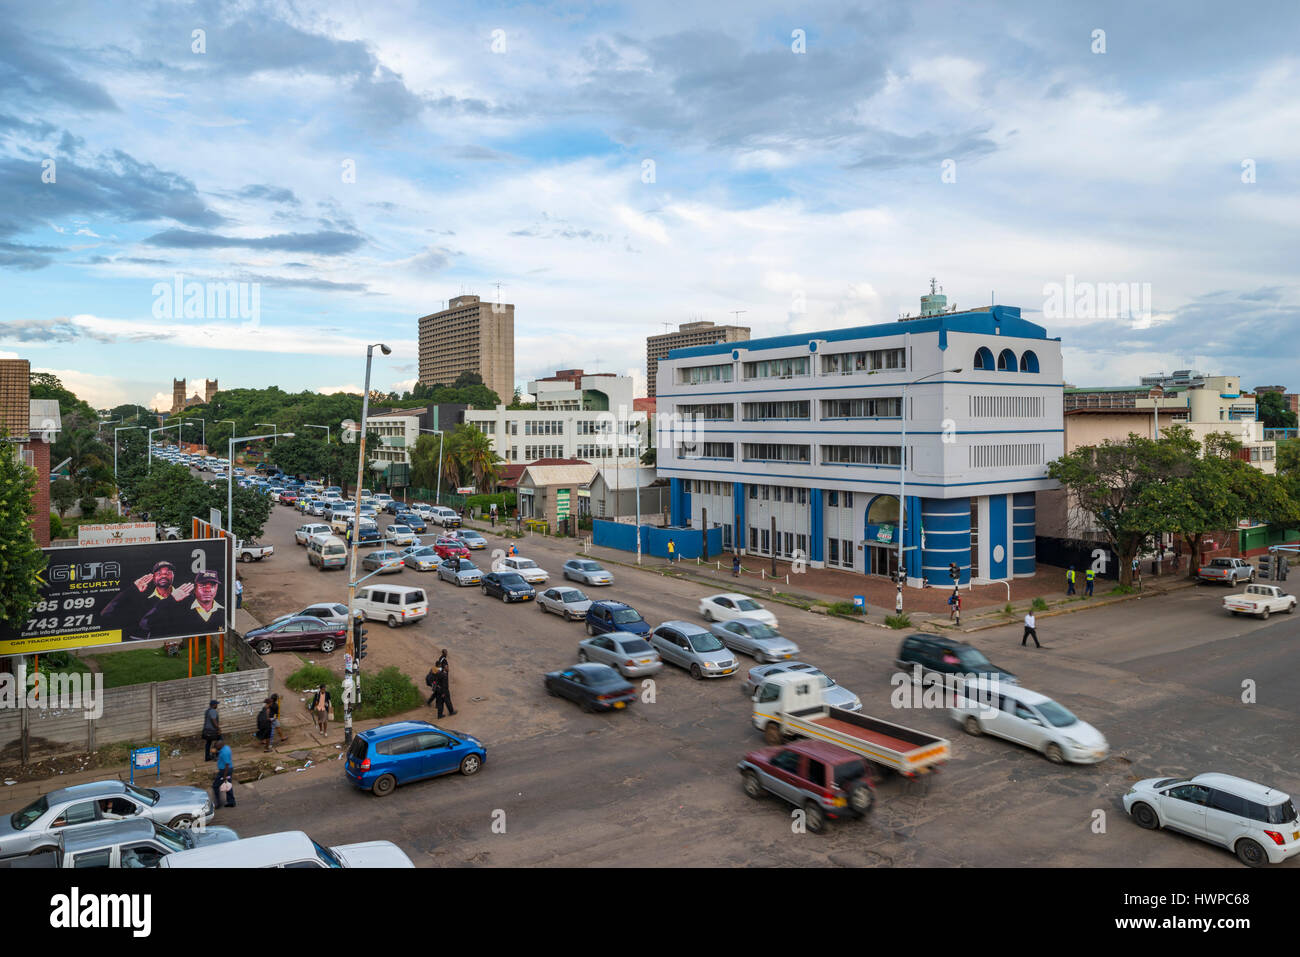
691, 647
298, 633
827, 781
630, 654
586, 571
595, 687
752, 637
728, 606
570, 603
508, 587
382, 758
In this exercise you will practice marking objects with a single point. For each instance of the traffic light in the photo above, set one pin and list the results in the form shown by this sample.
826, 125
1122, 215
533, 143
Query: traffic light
1265, 567
359, 638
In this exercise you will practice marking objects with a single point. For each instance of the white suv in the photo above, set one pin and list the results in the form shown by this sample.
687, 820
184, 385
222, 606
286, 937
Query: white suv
1255, 822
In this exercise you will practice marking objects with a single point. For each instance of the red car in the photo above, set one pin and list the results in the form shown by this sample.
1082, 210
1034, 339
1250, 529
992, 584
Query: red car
827, 781
288, 498
450, 548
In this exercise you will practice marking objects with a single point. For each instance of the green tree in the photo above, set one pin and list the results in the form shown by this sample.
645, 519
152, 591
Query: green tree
21, 559
424, 461
467, 378
473, 453
63, 495
172, 495
1113, 481
1273, 411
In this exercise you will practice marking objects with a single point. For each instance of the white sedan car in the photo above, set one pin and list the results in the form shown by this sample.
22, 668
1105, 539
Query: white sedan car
400, 535
1257, 823
532, 573
987, 706
728, 606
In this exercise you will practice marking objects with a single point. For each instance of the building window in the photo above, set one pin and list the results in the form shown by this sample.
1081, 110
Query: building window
777, 368
847, 363
1005, 456
753, 492
753, 539
848, 499
775, 452
709, 412
801, 545
699, 375
861, 455
767, 492
1029, 362
707, 450
765, 542
879, 408
801, 496
983, 358
762, 411
846, 553
833, 551
833, 498
789, 494
1006, 361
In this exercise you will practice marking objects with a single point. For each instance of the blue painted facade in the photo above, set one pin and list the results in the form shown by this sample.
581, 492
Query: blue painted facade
947, 539
999, 544
1024, 523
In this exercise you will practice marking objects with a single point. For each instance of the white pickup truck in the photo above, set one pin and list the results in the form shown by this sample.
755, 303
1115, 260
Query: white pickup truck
790, 705
1226, 570
252, 552
1260, 601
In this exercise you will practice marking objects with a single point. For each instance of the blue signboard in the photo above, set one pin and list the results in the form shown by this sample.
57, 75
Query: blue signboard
145, 758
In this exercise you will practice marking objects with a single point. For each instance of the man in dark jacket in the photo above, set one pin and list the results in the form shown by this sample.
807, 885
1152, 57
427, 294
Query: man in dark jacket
264, 724
431, 680
134, 602
444, 692
211, 730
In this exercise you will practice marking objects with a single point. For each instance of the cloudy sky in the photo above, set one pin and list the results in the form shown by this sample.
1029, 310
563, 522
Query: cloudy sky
619, 167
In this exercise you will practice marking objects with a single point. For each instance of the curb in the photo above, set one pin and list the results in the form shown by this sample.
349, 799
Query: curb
1082, 606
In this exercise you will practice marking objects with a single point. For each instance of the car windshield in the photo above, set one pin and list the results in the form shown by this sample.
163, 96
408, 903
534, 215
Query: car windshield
326, 855
19, 820
176, 840
525, 563
590, 567
1058, 716
973, 659
703, 641
572, 595
1283, 813
748, 604
848, 772
424, 551
763, 631
634, 646
467, 567
514, 580
626, 616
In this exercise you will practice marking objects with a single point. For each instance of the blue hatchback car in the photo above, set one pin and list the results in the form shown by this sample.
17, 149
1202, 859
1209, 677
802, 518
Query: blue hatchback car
605, 616
393, 754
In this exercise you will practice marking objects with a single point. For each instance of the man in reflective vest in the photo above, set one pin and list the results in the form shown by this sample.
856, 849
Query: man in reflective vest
1069, 581
1089, 575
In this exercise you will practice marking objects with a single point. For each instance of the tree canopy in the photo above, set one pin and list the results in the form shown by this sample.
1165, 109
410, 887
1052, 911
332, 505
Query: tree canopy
21, 559
1273, 411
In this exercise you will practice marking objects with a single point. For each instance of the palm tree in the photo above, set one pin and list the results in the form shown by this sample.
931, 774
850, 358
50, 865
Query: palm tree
473, 450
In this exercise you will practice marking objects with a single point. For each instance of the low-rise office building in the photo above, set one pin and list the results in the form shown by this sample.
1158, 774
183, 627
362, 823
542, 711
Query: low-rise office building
805, 434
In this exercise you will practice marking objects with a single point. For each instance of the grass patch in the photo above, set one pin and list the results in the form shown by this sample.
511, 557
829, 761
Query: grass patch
844, 608
143, 665
384, 693
1007, 609
1123, 590
898, 621
1040, 604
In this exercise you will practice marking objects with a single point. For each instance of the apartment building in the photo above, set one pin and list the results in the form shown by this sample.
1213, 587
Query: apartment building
587, 417
807, 431
30, 427
688, 335
470, 336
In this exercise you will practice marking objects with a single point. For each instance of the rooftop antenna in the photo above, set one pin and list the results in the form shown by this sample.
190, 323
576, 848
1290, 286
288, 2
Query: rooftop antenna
498, 284
738, 313
667, 327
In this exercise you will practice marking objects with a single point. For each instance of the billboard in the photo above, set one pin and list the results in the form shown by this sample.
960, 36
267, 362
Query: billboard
126, 533
109, 594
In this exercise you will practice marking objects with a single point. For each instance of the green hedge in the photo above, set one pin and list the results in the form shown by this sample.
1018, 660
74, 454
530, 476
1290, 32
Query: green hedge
384, 693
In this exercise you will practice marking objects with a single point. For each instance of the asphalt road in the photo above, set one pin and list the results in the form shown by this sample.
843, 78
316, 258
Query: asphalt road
657, 785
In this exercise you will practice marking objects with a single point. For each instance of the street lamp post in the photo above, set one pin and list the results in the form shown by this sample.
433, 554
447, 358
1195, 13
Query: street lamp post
325, 427
230, 504
356, 529
124, 428
274, 433
438, 494
902, 489
161, 428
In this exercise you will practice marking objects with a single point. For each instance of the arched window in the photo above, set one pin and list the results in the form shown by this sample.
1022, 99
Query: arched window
1028, 362
1006, 361
983, 358
883, 510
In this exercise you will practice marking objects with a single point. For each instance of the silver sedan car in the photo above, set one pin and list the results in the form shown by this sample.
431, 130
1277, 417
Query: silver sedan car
586, 571
752, 637
40, 823
832, 694
569, 602
421, 557
630, 654
460, 571
691, 647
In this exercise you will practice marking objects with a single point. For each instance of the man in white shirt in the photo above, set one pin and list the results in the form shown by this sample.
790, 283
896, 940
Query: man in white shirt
1029, 631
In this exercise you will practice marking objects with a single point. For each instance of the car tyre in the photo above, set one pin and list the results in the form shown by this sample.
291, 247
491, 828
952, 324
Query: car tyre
1145, 816
182, 822
263, 648
708, 615
696, 673
1290, 608
589, 629
814, 817
972, 726
246, 558
772, 733
1250, 853
392, 621
1264, 615
470, 764
582, 656
1235, 613
1054, 753
383, 785
861, 800
753, 787
327, 645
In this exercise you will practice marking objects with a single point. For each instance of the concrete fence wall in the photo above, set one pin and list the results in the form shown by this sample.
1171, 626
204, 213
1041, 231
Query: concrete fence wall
141, 714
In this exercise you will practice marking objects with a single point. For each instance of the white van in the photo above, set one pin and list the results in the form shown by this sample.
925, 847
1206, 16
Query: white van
327, 551
289, 849
394, 604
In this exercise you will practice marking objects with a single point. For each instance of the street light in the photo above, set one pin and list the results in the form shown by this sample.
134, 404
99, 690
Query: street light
203, 423
902, 488
124, 428
438, 494
325, 427
274, 427
161, 428
356, 535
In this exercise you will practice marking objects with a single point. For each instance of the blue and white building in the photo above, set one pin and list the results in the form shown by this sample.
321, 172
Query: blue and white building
808, 429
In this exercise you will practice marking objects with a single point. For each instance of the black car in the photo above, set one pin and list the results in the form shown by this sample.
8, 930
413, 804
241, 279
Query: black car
946, 656
595, 687
508, 586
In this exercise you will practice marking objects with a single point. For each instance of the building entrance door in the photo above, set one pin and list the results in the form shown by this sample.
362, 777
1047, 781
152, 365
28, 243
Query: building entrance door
882, 560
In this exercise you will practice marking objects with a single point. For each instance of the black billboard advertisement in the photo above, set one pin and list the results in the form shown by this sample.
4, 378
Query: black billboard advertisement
109, 594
